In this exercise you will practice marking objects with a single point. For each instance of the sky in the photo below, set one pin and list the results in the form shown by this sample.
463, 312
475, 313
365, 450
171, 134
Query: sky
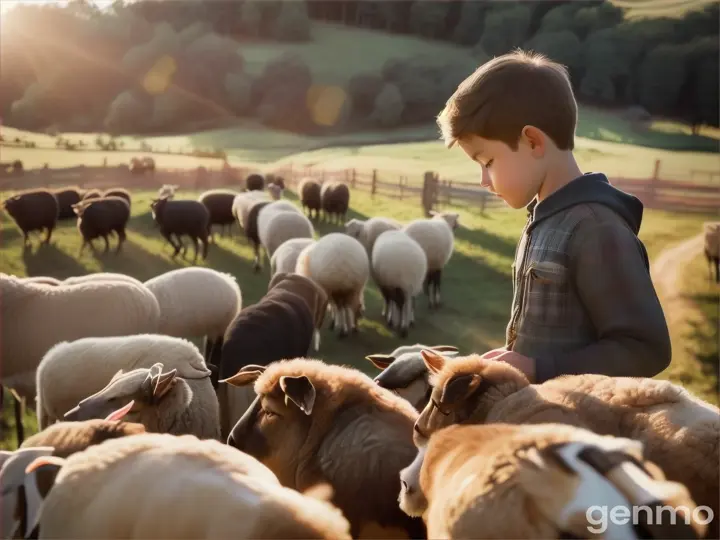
7, 4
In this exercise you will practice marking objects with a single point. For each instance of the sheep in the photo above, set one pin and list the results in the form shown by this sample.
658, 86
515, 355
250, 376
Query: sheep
367, 231
309, 192
293, 307
159, 399
101, 276
398, 267
66, 197
68, 438
73, 370
190, 218
157, 478
99, 217
314, 423
243, 203
285, 257
167, 191
468, 478
259, 218
197, 302
255, 182
219, 203
277, 180
68, 312
335, 198
119, 192
404, 372
712, 248
275, 191
91, 194
339, 264
435, 236
679, 430
43, 280
278, 224
35, 210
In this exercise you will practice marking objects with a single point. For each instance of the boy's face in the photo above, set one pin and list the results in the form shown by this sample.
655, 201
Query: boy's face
514, 175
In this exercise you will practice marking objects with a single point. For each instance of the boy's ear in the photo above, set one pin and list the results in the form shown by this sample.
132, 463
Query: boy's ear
535, 139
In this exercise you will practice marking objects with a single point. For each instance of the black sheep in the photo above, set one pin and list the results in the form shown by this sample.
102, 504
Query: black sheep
66, 198
33, 211
182, 218
251, 229
99, 217
309, 192
219, 203
92, 194
119, 192
335, 201
255, 182
277, 180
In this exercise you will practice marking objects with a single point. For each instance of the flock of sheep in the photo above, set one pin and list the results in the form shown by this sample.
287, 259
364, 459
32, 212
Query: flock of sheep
145, 435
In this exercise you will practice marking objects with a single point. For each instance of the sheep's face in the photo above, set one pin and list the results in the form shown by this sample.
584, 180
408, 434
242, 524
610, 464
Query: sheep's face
276, 425
405, 374
412, 499
12, 205
451, 218
126, 394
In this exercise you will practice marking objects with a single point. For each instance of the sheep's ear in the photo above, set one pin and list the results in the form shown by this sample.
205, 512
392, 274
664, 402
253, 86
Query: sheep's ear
300, 391
247, 375
434, 361
380, 361
459, 387
120, 413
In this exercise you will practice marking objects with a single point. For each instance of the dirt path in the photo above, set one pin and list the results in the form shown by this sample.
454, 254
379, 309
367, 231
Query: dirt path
666, 271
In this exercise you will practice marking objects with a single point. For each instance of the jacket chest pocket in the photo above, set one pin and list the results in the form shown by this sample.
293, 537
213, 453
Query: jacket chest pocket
546, 294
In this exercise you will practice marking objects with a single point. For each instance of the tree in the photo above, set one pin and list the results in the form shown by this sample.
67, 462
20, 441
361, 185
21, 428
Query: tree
562, 46
505, 28
250, 18
389, 107
561, 17
127, 113
427, 19
238, 87
591, 19
469, 26
661, 77
292, 23
363, 89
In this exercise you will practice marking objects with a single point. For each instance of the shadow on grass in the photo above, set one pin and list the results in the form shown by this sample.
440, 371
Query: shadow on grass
134, 260
492, 242
48, 260
702, 337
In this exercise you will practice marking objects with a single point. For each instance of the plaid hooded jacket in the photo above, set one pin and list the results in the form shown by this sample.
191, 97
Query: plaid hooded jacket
583, 300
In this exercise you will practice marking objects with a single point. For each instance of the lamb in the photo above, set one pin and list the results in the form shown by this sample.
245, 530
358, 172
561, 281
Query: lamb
435, 236
35, 210
219, 203
309, 192
339, 264
293, 307
73, 370
678, 430
99, 217
119, 192
285, 257
66, 197
712, 248
277, 224
190, 218
255, 182
398, 267
158, 399
197, 302
367, 231
335, 200
310, 420
404, 372
468, 478
151, 474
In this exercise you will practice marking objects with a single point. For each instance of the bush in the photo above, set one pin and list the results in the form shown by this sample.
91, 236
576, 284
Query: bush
363, 89
238, 87
286, 71
292, 23
389, 107
562, 46
505, 28
128, 112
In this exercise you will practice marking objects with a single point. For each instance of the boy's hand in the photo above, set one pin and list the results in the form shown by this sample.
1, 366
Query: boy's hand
523, 363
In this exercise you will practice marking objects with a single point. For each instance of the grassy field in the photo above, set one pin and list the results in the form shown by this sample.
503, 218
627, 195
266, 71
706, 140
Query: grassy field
476, 288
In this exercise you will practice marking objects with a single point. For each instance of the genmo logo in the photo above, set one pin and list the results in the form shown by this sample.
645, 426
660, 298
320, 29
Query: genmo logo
601, 517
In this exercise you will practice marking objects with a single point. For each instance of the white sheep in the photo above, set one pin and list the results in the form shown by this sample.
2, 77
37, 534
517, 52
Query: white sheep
35, 317
275, 227
367, 231
73, 370
101, 276
340, 265
473, 481
196, 302
163, 486
398, 267
244, 201
158, 399
285, 257
712, 247
436, 237
275, 191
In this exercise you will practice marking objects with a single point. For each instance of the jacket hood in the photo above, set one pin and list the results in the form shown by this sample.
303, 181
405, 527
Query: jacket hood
589, 188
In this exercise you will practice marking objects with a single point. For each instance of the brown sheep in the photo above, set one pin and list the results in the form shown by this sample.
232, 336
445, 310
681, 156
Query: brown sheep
316, 423
99, 217
473, 481
35, 210
92, 194
678, 430
255, 182
335, 198
66, 197
309, 192
119, 192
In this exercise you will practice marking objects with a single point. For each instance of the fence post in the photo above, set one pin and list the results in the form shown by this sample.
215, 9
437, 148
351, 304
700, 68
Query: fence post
449, 193
429, 193
373, 188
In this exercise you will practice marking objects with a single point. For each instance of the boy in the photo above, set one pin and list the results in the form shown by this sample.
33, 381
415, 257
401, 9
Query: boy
583, 300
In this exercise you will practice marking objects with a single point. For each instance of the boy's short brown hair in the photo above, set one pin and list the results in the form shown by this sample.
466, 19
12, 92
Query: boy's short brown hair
507, 93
